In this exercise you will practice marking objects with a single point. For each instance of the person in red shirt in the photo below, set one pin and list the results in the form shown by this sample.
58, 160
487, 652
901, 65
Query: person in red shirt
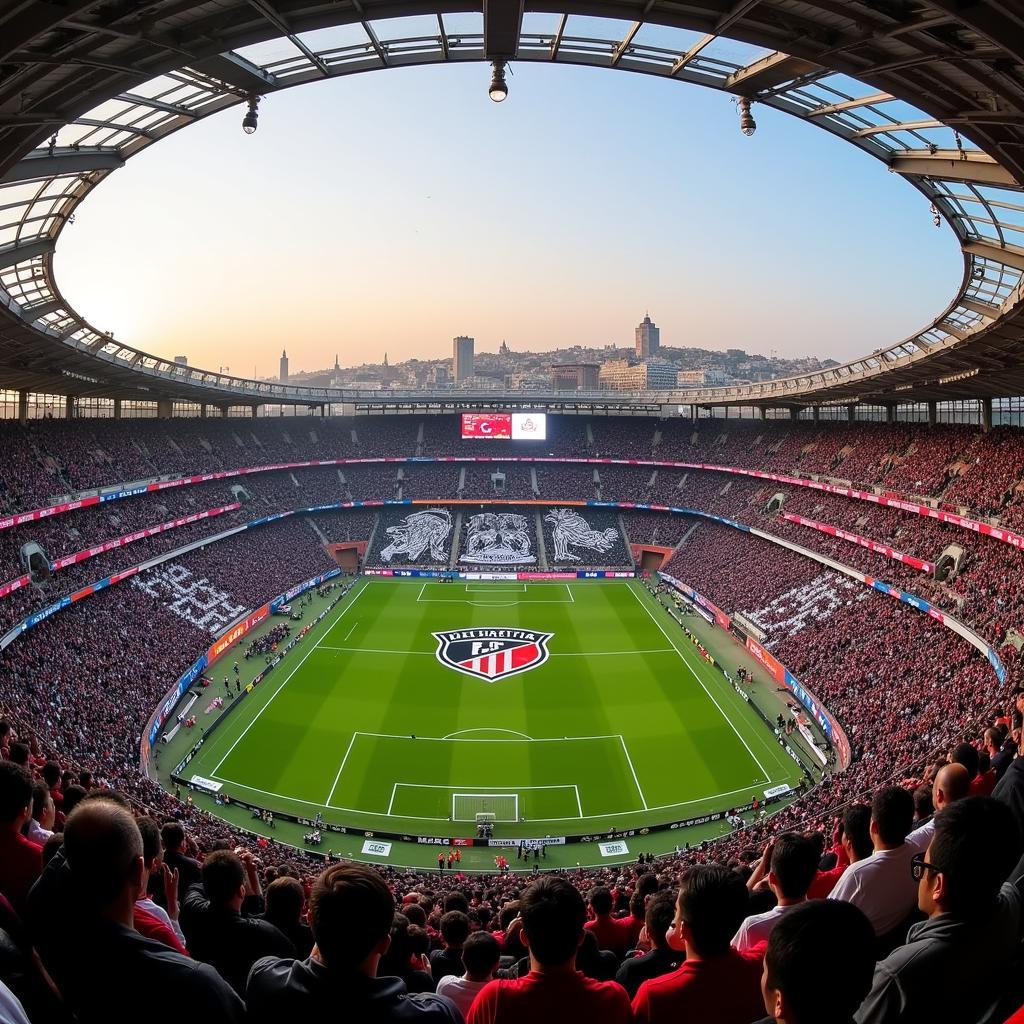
21, 861
715, 983
611, 933
553, 914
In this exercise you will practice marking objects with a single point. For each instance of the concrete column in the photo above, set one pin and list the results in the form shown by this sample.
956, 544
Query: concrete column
117, 408
763, 412
816, 413
69, 406
164, 409
224, 411
794, 413
851, 413
933, 413
323, 411
23, 405
204, 411
986, 414
255, 410
890, 412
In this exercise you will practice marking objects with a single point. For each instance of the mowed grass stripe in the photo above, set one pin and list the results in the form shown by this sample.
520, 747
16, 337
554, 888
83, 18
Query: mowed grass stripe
684, 753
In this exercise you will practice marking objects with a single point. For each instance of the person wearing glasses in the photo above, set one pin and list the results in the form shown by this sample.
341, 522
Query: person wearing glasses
956, 964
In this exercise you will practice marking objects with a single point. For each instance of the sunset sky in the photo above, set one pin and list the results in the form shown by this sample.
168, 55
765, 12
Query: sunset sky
390, 212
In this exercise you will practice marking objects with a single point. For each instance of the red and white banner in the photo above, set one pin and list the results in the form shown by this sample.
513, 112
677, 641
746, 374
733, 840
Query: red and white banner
865, 542
489, 425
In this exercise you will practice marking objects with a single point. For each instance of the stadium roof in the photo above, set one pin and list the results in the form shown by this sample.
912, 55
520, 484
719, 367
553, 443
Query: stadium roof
934, 90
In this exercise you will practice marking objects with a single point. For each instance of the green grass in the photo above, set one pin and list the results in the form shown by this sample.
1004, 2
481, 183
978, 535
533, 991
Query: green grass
624, 725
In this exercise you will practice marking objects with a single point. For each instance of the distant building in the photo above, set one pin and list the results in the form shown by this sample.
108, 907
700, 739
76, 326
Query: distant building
284, 367
476, 383
712, 378
181, 360
620, 375
462, 358
438, 374
648, 338
527, 382
575, 376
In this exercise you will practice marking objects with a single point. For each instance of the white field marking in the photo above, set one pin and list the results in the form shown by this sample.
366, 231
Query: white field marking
350, 632
568, 590
341, 767
488, 604
579, 806
511, 732
515, 797
555, 654
692, 672
420, 594
500, 588
298, 665
462, 739
632, 772
360, 810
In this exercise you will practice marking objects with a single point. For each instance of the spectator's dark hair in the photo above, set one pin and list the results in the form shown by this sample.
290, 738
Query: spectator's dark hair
975, 845
51, 773
857, 828
923, 806
508, 914
794, 864
713, 902
481, 954
415, 913
223, 876
40, 794
19, 753
892, 811
101, 843
647, 883
285, 897
172, 835
51, 846
454, 927
15, 790
601, 899
661, 909
821, 956
73, 796
150, 832
351, 910
419, 940
967, 755
455, 901
553, 914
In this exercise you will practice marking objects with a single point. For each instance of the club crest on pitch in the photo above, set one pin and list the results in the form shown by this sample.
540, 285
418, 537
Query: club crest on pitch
492, 652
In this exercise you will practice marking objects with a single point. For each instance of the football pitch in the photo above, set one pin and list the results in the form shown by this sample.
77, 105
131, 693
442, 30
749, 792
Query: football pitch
560, 708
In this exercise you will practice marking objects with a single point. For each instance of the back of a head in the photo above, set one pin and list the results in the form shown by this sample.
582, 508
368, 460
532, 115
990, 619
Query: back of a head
15, 790
821, 957
150, 832
553, 914
601, 899
223, 876
480, 954
350, 911
975, 845
454, 927
285, 897
967, 755
794, 864
103, 845
172, 835
857, 828
892, 811
661, 909
713, 903
954, 781
455, 901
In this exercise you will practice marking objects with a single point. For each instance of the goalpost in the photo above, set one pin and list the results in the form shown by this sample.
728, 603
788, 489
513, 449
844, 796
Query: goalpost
496, 806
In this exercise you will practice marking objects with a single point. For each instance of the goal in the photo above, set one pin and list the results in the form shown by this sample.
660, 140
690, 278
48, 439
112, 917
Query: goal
501, 806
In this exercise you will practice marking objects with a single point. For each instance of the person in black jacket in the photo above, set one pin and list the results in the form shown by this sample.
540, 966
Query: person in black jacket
284, 899
95, 880
661, 958
454, 932
351, 911
215, 922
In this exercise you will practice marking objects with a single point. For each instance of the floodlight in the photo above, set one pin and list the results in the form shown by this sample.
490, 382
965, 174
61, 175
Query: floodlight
499, 88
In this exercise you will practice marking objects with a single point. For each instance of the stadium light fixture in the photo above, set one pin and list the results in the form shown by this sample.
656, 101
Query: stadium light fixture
249, 122
499, 87
747, 123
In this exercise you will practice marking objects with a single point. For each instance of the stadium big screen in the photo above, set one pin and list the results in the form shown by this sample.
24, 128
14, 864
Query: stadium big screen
504, 426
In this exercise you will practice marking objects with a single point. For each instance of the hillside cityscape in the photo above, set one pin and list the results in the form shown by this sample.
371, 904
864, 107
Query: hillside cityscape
646, 364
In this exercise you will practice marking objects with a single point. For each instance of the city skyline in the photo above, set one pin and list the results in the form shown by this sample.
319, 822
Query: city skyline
524, 226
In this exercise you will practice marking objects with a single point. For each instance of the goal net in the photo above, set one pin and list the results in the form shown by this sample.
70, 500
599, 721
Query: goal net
501, 806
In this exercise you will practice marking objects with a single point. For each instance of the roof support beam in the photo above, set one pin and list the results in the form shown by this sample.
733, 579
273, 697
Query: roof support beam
557, 41
238, 72
904, 126
985, 309
1011, 256
44, 164
503, 22
950, 165
863, 101
625, 44
282, 26
26, 251
33, 313
145, 101
767, 73
692, 52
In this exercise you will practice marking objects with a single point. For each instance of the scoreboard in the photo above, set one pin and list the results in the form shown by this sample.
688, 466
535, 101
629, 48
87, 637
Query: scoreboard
504, 426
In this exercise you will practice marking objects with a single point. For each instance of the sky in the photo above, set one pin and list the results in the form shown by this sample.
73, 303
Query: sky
389, 212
